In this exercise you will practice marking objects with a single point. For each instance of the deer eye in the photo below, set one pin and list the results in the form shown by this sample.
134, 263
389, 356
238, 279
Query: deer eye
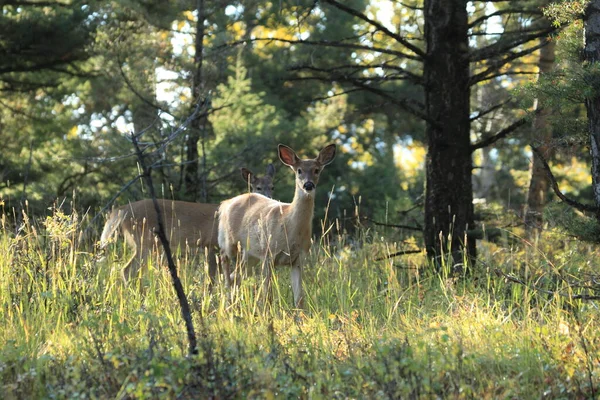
272, 187
299, 171
259, 188
316, 170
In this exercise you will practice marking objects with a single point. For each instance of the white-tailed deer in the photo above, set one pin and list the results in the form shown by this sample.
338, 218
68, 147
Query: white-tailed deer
189, 226
274, 232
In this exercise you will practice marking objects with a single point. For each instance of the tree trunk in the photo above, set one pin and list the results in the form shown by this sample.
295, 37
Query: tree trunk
449, 193
591, 55
194, 188
542, 136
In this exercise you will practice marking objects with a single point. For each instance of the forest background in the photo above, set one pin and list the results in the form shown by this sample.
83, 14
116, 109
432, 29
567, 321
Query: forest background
436, 107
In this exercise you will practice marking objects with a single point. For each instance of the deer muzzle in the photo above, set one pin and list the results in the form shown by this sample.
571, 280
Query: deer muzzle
308, 186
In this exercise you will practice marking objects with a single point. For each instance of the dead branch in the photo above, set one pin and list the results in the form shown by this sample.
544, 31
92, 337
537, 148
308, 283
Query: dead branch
514, 279
399, 253
573, 203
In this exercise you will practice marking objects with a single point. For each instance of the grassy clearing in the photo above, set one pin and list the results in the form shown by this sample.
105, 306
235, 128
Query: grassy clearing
71, 329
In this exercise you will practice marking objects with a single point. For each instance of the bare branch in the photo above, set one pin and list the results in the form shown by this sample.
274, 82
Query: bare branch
399, 253
504, 12
495, 65
514, 279
501, 47
407, 227
378, 26
503, 133
573, 203
186, 312
489, 110
325, 43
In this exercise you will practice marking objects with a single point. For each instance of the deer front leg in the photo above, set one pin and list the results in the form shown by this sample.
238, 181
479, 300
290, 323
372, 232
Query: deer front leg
297, 285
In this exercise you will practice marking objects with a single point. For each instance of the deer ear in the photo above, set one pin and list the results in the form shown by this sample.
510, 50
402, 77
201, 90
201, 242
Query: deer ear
271, 170
326, 155
246, 174
287, 155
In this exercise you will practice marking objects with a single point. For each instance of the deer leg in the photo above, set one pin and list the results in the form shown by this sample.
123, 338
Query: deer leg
297, 285
211, 259
226, 265
266, 274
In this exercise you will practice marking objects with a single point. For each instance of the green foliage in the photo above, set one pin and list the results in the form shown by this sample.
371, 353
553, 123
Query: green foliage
372, 329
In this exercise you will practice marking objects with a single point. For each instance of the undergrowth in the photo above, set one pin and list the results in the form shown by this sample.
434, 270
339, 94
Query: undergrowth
510, 327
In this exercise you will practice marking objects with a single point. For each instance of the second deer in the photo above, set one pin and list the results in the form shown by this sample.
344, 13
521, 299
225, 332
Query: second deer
188, 225
276, 233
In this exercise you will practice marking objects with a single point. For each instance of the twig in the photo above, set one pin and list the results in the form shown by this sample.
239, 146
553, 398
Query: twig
504, 132
573, 203
407, 227
514, 279
399, 253
183, 302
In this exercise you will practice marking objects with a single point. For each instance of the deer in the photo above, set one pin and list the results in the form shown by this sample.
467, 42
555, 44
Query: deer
253, 226
187, 225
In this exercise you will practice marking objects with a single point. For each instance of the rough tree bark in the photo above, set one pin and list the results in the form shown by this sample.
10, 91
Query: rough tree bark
542, 136
591, 56
449, 194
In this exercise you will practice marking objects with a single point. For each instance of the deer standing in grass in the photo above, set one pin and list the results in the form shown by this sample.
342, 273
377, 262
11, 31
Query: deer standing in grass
187, 225
274, 232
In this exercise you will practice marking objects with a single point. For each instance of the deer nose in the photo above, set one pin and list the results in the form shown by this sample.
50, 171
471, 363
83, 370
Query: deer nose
308, 186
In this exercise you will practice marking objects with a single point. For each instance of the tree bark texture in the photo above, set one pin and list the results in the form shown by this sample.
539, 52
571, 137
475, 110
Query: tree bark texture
541, 137
449, 193
591, 55
193, 186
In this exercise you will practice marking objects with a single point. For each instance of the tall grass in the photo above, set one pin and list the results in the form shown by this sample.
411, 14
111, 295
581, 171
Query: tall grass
371, 329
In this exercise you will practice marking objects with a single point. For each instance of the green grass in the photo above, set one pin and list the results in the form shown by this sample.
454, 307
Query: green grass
387, 329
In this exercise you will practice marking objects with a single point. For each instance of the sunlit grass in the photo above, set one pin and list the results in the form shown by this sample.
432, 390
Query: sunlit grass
370, 329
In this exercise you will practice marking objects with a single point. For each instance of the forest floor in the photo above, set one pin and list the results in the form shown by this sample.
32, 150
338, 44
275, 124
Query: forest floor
511, 327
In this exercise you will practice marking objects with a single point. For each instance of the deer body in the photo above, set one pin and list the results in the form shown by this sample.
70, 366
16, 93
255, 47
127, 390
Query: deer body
271, 231
188, 226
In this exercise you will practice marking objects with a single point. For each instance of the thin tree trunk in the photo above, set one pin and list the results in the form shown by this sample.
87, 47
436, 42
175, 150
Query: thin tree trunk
591, 54
449, 192
193, 182
542, 136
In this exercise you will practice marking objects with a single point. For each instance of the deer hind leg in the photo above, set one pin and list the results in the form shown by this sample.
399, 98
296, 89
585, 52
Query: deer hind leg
226, 265
267, 272
211, 260
139, 261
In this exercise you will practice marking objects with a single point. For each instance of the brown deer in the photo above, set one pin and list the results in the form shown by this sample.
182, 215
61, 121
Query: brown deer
276, 233
188, 225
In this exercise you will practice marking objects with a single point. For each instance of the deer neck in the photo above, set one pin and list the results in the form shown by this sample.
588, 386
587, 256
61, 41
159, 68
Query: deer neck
301, 209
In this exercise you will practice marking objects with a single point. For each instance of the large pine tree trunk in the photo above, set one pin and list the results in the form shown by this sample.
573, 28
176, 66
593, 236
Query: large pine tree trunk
449, 194
591, 54
542, 136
